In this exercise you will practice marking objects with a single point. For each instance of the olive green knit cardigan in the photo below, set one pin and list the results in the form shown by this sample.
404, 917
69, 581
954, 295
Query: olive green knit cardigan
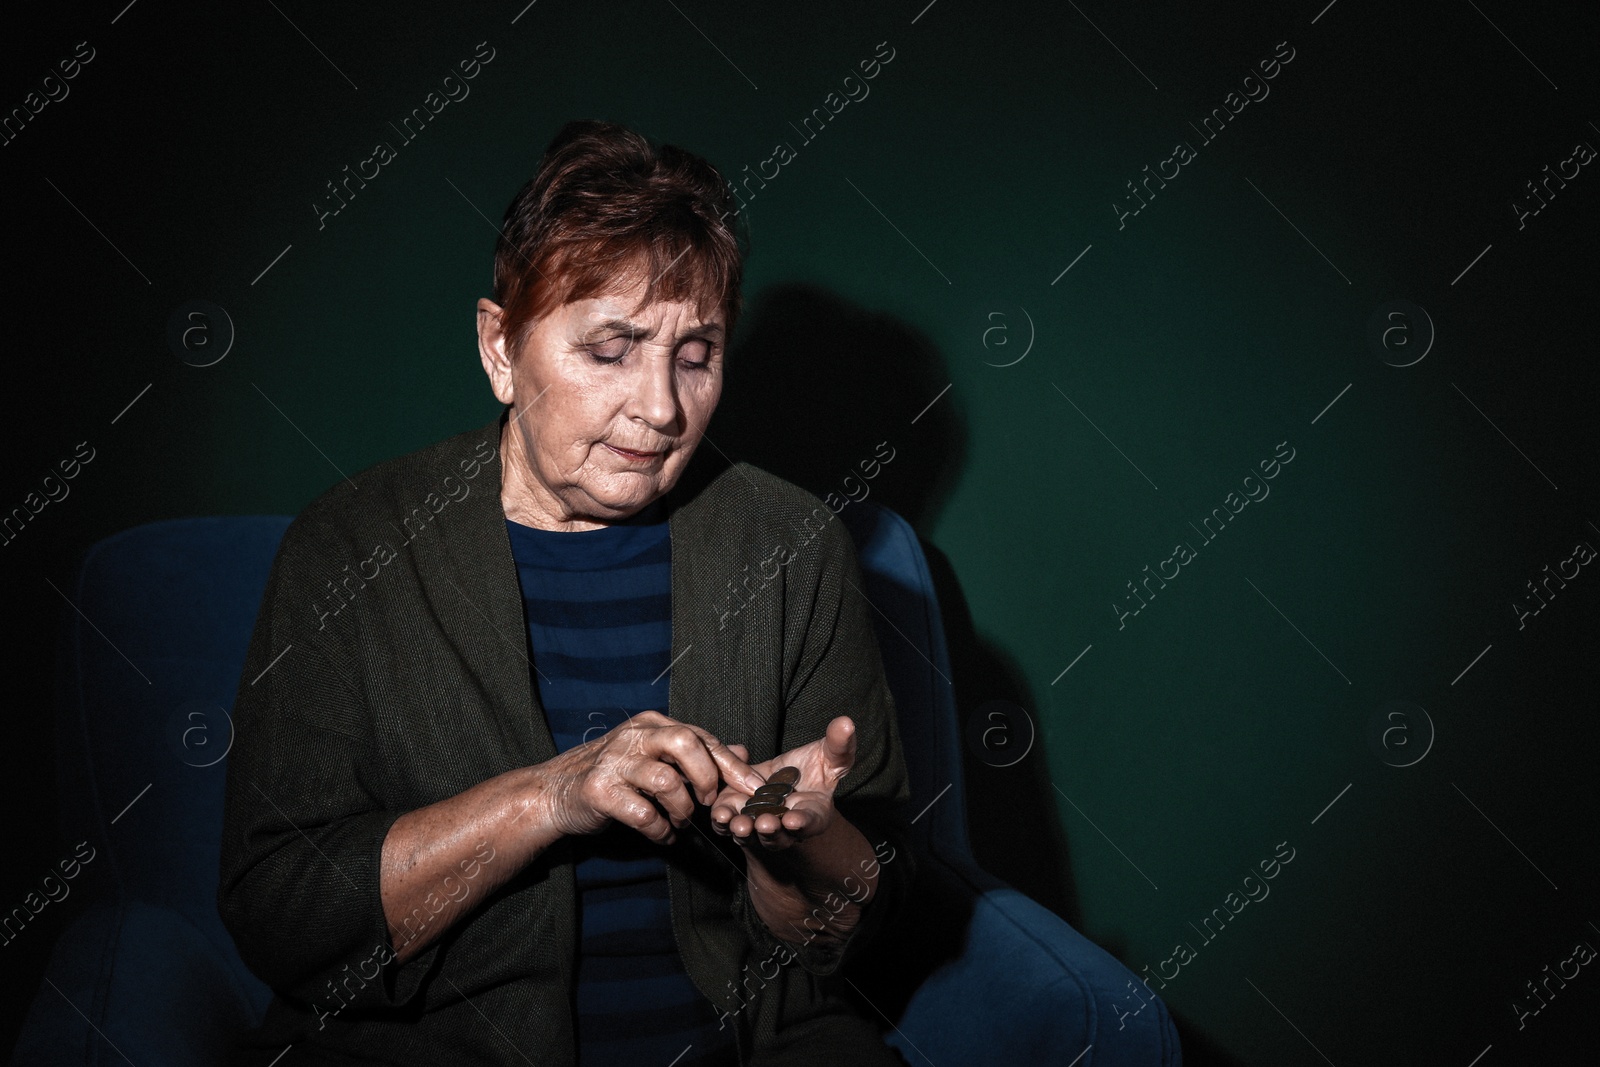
389, 668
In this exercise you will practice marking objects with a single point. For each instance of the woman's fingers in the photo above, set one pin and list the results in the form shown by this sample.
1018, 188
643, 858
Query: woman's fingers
620, 791
726, 809
742, 828
780, 831
735, 771
683, 746
773, 832
702, 757
634, 810
839, 744
678, 764
662, 781
732, 762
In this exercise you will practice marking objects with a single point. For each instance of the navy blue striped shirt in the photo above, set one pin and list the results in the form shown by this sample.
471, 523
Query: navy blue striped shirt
598, 607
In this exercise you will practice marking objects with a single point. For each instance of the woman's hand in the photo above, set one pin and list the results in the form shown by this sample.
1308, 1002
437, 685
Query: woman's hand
810, 857
822, 763
649, 757
511, 818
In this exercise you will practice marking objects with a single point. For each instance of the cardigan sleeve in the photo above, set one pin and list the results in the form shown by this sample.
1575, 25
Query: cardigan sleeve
303, 833
839, 671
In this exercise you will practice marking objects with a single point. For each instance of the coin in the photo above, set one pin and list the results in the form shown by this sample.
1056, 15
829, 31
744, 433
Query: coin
754, 810
774, 789
784, 776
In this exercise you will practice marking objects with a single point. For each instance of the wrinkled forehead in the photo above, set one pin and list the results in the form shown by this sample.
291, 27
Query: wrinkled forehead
625, 313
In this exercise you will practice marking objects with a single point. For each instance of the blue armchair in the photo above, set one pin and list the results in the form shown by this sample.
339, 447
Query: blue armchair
974, 973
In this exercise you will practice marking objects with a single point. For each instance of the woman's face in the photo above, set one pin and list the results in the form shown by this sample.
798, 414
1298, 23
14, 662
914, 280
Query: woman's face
609, 401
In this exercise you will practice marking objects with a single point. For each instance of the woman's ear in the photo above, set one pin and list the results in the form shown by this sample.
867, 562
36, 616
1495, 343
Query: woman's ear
492, 350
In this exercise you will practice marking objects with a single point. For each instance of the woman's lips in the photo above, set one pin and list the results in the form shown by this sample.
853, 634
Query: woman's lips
637, 457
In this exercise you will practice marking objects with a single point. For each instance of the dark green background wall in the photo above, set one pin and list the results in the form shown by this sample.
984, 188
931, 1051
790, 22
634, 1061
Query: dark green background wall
918, 241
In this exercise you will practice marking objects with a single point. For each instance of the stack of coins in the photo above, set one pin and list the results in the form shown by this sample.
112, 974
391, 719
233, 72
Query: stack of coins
769, 798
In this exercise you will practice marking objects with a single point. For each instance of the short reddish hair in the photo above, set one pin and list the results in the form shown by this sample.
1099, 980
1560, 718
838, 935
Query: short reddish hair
606, 206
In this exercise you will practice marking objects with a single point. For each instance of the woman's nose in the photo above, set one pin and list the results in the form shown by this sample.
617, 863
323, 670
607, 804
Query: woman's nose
655, 397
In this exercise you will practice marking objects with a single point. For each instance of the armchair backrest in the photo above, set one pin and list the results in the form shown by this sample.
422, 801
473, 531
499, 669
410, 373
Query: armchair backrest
151, 654
916, 660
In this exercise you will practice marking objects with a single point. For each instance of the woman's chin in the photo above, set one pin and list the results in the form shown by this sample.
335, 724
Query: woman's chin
629, 493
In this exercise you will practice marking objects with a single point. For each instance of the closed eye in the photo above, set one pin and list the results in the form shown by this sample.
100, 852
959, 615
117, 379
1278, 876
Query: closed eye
610, 351
695, 353
698, 352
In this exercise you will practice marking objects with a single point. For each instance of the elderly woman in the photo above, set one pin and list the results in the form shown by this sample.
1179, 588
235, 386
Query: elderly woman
495, 732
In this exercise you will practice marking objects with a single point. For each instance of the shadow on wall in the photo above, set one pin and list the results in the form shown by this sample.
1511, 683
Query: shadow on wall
818, 391
814, 386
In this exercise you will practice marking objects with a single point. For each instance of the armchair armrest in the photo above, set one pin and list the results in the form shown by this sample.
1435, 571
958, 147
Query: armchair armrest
981, 974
